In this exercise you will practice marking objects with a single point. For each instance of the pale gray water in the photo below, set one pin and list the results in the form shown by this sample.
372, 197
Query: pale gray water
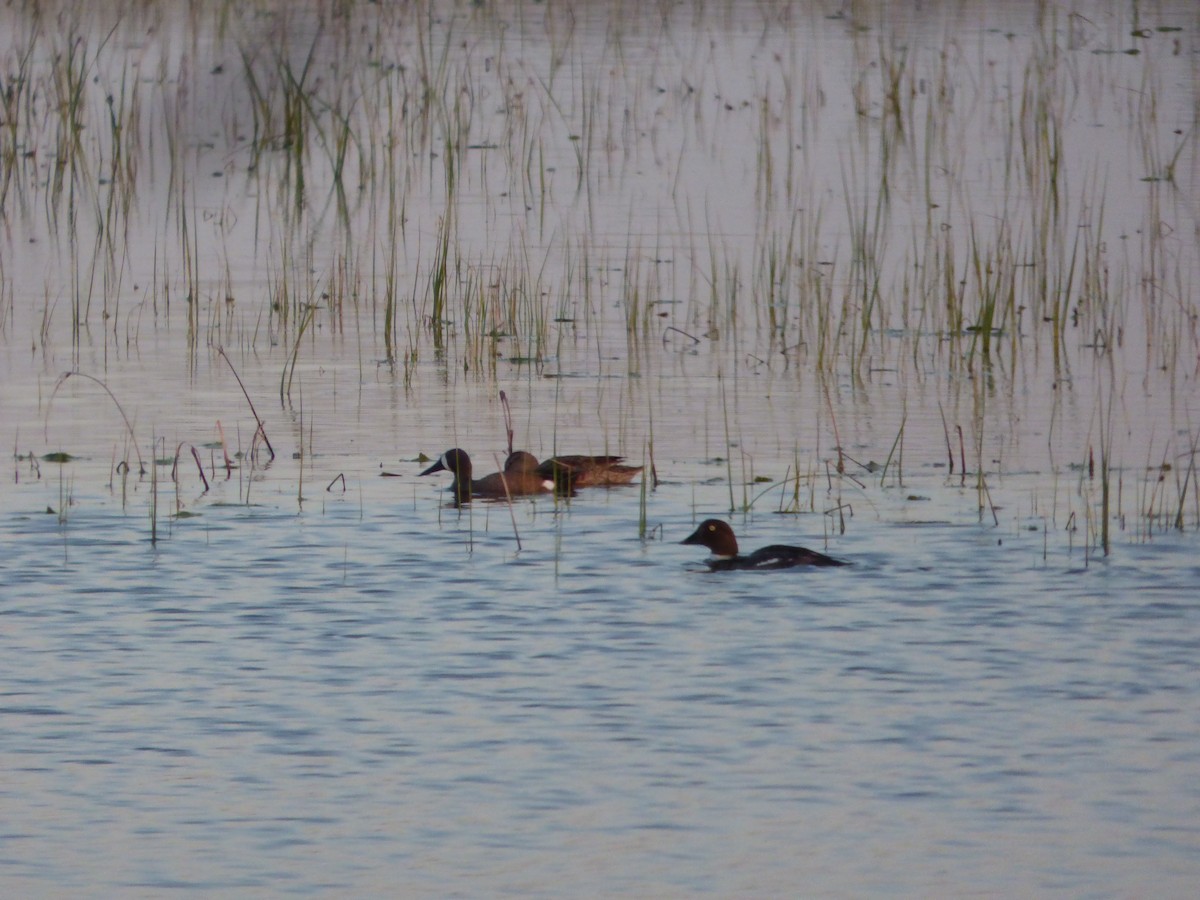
347, 703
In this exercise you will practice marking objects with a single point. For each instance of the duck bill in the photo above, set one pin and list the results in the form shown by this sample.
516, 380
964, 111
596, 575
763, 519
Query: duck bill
694, 538
436, 467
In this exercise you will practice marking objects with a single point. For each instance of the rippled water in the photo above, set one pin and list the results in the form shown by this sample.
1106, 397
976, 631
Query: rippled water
394, 700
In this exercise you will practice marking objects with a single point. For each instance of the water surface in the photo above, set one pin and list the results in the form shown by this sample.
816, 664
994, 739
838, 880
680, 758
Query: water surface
914, 292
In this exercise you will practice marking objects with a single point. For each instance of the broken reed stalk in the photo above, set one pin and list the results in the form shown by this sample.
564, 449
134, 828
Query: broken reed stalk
175, 465
508, 429
200, 468
129, 428
840, 511
261, 430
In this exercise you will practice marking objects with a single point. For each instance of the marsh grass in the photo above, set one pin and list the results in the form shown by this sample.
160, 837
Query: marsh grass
551, 186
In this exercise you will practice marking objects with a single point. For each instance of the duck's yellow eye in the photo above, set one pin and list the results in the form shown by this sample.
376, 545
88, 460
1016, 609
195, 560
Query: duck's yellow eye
712, 527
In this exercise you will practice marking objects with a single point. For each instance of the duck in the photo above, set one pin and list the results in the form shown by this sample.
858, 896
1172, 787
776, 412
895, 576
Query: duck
576, 470
719, 538
524, 467
517, 482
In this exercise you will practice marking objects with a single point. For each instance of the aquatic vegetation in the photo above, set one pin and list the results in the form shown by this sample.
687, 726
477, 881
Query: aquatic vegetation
709, 204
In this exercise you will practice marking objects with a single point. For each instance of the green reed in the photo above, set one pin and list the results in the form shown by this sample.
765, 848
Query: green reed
69, 78
453, 192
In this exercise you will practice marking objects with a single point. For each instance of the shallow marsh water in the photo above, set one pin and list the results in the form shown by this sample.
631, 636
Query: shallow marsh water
340, 701
321, 681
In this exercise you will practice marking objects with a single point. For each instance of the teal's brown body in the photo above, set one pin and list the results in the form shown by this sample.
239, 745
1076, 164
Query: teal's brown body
518, 482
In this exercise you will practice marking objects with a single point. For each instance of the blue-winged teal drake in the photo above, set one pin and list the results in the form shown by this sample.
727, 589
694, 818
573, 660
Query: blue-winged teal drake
718, 537
516, 483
